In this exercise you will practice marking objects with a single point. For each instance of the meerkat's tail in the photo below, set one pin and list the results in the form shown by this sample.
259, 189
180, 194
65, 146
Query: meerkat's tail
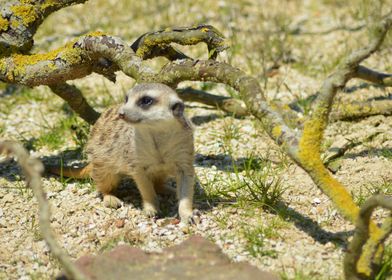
76, 173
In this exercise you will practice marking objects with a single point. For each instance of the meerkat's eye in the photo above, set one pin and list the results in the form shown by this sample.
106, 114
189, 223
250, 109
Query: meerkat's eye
126, 98
145, 102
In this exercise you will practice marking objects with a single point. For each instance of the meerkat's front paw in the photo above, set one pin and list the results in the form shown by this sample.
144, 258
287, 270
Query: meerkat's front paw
190, 217
111, 201
150, 210
194, 219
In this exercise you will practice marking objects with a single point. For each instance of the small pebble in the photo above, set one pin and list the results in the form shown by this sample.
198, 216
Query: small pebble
316, 200
175, 221
119, 223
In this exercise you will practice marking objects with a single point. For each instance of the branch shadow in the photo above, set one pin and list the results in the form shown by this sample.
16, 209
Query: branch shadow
352, 89
199, 120
384, 152
300, 221
225, 162
298, 105
303, 223
9, 168
311, 227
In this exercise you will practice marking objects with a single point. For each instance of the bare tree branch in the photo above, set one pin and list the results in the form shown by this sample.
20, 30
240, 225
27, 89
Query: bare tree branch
364, 73
81, 57
32, 169
342, 111
73, 96
230, 105
358, 110
157, 43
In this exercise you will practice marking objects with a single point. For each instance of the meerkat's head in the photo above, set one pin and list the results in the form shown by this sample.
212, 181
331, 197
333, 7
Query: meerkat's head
151, 102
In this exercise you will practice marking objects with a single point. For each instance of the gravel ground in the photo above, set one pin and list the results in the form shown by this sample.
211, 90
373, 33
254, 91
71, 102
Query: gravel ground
304, 237
309, 238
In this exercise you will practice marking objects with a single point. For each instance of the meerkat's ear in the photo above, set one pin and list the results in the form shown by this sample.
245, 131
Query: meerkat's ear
178, 109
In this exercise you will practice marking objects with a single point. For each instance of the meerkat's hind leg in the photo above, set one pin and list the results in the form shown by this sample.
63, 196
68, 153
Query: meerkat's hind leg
149, 197
106, 183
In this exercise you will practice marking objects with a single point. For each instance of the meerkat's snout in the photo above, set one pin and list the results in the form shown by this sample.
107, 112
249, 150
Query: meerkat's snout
121, 114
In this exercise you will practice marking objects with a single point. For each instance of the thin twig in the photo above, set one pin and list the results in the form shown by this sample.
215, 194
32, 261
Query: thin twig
32, 169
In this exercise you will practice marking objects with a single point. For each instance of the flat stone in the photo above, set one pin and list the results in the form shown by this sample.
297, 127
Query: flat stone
195, 258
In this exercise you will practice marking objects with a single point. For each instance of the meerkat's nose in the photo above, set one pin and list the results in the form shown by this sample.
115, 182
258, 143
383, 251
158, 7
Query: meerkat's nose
121, 113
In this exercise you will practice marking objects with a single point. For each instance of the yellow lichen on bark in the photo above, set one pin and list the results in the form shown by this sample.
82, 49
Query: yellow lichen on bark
309, 156
26, 13
363, 265
48, 3
16, 64
95, 33
277, 131
4, 24
353, 109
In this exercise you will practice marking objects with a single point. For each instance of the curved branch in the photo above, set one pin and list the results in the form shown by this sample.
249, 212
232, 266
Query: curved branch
94, 52
229, 105
362, 235
157, 43
98, 52
32, 169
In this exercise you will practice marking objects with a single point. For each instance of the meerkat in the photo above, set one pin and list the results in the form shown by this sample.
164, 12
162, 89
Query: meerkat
149, 139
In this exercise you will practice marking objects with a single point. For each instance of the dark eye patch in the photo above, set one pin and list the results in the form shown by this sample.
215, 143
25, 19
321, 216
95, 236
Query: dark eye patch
178, 109
145, 102
126, 98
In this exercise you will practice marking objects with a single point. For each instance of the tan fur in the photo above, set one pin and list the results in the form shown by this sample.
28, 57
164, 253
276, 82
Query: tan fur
148, 145
77, 173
